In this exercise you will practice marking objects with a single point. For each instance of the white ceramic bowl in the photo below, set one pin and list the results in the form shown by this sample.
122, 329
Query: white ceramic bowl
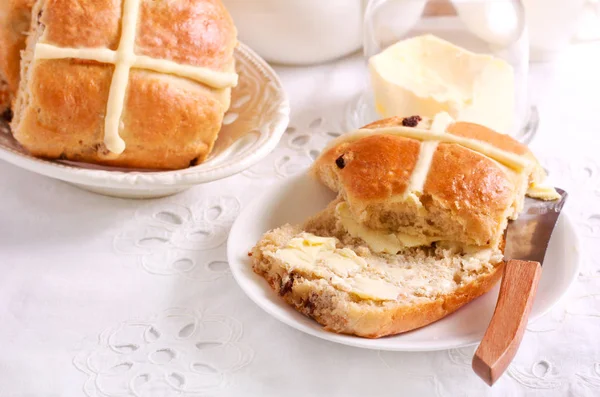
299, 197
258, 116
299, 32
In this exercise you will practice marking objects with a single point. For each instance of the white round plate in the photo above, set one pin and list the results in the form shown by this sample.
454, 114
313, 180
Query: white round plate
258, 116
301, 196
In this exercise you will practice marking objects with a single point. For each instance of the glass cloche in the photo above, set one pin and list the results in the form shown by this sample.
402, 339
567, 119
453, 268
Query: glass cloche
468, 58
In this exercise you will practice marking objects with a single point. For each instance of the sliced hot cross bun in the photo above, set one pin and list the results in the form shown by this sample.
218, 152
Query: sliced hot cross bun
347, 286
431, 180
415, 233
129, 83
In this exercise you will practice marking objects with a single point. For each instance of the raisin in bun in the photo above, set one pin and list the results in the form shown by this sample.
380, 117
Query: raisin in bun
133, 83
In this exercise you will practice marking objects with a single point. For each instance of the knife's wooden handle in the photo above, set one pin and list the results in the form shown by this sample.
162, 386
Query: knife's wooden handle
504, 334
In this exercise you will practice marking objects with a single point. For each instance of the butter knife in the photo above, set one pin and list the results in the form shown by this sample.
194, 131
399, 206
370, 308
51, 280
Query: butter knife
526, 242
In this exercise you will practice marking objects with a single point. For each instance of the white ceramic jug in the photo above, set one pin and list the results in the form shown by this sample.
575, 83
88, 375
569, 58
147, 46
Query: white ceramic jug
299, 31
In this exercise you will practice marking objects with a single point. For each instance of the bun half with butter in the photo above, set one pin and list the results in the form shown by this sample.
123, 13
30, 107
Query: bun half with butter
416, 231
432, 179
132, 83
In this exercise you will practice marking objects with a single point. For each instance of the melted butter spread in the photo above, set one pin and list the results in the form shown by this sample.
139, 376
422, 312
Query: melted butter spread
392, 243
369, 288
378, 241
308, 251
542, 192
318, 257
312, 254
472, 255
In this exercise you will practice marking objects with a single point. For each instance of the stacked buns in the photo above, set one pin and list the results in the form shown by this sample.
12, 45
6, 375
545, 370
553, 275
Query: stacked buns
130, 83
415, 232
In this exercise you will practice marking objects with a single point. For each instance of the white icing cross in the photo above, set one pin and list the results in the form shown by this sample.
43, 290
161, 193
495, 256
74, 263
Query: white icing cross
440, 122
509, 159
124, 59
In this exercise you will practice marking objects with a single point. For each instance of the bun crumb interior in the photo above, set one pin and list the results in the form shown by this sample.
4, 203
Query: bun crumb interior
371, 294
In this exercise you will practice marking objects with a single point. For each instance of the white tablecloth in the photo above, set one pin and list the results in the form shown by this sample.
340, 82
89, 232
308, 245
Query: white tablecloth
110, 297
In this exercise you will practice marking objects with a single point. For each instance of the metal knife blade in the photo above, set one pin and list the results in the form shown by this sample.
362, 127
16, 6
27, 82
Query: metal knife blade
528, 236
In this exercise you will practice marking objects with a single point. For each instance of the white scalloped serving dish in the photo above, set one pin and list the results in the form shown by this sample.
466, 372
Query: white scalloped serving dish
252, 127
295, 199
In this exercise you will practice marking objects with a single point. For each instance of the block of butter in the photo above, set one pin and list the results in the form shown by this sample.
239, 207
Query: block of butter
426, 75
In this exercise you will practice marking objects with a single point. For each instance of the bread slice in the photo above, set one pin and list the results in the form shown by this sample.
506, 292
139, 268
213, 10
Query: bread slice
366, 293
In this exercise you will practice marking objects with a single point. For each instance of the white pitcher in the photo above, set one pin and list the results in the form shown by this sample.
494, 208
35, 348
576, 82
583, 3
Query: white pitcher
299, 32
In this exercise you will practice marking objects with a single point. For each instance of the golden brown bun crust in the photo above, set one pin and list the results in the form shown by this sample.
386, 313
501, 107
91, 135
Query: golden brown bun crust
474, 188
377, 324
82, 23
87, 86
481, 133
168, 122
176, 112
388, 161
376, 166
462, 185
15, 16
166, 33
